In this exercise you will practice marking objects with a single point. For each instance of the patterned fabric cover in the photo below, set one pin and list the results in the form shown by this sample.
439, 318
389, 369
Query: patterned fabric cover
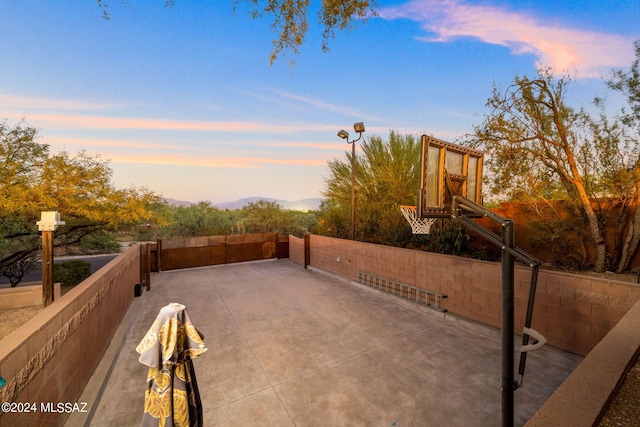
172, 397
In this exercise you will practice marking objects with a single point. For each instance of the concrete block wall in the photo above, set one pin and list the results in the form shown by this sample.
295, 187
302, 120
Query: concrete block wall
574, 312
50, 358
296, 250
24, 296
578, 311
583, 398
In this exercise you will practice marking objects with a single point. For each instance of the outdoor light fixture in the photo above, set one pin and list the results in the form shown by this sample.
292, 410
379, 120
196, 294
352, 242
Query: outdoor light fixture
358, 127
343, 134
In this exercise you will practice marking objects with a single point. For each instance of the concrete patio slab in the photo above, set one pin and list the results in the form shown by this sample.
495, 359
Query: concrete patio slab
295, 347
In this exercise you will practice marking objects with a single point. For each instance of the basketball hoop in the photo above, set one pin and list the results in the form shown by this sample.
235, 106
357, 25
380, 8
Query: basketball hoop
418, 225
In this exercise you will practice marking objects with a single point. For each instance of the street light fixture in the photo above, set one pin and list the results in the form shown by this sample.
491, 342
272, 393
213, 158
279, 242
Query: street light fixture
358, 127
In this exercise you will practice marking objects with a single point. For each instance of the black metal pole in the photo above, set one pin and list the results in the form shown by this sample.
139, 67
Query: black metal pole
509, 253
508, 383
527, 322
353, 190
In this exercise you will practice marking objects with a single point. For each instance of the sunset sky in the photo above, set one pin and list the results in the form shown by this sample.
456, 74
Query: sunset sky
183, 100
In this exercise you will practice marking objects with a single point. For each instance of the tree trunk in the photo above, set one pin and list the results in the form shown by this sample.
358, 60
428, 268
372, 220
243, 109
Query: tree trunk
633, 236
621, 222
594, 226
596, 234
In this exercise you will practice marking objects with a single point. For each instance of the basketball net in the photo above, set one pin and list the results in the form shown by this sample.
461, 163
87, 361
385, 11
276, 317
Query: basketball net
418, 225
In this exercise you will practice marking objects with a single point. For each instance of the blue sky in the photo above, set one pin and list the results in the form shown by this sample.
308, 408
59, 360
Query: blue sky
183, 100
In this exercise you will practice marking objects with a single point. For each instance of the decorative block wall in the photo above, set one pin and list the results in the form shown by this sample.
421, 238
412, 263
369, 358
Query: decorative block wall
50, 359
296, 250
574, 312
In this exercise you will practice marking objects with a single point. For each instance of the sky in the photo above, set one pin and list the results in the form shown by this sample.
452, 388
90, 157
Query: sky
183, 100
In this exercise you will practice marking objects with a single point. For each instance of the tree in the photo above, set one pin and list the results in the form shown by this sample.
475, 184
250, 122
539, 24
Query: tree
16, 271
386, 178
265, 216
71, 273
540, 149
290, 18
200, 219
628, 84
79, 187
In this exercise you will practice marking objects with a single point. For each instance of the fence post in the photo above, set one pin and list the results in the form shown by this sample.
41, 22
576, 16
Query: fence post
307, 250
159, 254
148, 267
47, 267
226, 248
142, 253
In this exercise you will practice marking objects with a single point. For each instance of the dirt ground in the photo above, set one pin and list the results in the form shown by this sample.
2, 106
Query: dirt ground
624, 409
13, 318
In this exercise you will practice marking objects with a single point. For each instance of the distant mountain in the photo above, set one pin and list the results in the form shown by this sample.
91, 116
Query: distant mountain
174, 202
312, 204
297, 205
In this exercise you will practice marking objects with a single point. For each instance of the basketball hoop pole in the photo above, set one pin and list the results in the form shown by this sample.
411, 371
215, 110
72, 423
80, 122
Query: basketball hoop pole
509, 252
507, 245
450, 177
508, 276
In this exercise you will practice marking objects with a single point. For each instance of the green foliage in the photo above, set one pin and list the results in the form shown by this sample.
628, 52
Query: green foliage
70, 273
446, 237
626, 171
262, 216
269, 217
16, 271
79, 187
291, 24
386, 178
290, 21
541, 148
531, 135
565, 241
100, 242
628, 84
200, 219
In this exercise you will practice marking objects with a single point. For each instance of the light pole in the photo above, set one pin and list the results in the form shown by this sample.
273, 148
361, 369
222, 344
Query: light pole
358, 127
49, 221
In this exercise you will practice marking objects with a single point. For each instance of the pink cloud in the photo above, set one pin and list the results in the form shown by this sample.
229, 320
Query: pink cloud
65, 121
213, 162
30, 103
589, 53
153, 156
91, 142
318, 145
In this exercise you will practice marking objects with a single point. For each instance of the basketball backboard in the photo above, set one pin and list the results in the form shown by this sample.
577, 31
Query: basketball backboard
447, 168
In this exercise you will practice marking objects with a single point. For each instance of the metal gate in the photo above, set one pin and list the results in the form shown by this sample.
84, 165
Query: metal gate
190, 252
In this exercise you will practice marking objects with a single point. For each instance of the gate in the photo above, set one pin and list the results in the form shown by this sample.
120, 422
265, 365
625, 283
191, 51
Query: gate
190, 252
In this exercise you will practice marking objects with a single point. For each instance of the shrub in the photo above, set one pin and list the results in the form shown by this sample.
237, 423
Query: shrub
448, 237
70, 273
